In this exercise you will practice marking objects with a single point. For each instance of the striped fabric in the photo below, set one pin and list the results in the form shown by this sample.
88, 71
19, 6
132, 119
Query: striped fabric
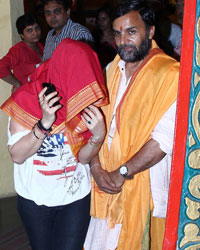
71, 30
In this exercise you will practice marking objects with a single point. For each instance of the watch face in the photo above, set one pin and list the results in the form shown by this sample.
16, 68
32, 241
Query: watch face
123, 170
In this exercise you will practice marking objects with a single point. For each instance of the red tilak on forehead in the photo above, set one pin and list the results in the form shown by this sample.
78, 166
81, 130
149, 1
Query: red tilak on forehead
121, 28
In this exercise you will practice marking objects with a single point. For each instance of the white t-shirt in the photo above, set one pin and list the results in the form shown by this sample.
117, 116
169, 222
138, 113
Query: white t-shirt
52, 176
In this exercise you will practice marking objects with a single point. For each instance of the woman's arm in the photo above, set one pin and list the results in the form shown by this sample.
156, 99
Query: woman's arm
94, 120
30, 143
27, 145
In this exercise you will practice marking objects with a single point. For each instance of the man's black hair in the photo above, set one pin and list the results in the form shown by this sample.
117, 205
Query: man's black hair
146, 12
67, 4
24, 21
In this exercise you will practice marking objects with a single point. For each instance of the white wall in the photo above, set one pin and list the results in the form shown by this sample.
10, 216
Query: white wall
9, 11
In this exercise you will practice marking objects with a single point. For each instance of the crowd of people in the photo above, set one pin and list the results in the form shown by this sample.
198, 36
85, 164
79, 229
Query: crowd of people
92, 156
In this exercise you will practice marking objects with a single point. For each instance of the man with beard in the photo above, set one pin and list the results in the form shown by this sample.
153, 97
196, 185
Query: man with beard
131, 172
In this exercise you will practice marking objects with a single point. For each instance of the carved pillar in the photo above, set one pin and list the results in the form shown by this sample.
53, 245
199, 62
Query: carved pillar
183, 217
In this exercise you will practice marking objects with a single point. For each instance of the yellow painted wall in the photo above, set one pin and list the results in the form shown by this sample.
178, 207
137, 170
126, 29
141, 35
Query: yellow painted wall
9, 11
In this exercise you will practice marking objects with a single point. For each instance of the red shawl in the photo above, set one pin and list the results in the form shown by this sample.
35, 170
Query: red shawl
75, 71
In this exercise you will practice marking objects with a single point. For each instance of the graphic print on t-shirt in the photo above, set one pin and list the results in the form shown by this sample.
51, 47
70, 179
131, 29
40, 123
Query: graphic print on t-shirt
55, 159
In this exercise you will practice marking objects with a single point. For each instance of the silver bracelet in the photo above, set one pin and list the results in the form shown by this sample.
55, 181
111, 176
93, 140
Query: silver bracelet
94, 143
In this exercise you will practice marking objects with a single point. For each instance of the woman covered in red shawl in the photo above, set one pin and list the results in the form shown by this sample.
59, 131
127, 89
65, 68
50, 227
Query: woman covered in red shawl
52, 138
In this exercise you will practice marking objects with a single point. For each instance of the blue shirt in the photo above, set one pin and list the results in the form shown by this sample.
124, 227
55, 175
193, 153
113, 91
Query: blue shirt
71, 30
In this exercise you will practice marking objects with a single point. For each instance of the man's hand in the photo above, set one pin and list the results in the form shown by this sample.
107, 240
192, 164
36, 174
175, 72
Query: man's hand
117, 178
104, 180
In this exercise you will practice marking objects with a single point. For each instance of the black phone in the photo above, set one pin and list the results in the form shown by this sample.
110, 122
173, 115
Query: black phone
50, 88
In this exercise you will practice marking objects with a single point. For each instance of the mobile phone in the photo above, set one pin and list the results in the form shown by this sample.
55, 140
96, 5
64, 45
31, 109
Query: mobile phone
50, 88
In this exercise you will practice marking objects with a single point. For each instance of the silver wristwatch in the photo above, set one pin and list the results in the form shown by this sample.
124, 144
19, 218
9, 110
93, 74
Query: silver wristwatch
123, 170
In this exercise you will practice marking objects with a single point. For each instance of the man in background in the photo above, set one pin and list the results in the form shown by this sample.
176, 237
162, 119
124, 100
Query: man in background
57, 14
132, 172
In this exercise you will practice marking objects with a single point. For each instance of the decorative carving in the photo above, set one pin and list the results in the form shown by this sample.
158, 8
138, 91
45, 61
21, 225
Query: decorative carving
191, 232
189, 213
191, 140
195, 116
194, 247
198, 53
192, 209
196, 79
194, 159
198, 28
194, 186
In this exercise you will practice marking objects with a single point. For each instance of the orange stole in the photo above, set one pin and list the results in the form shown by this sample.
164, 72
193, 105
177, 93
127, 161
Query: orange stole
152, 90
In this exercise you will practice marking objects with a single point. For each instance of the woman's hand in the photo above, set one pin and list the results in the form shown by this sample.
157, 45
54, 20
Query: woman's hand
93, 119
49, 111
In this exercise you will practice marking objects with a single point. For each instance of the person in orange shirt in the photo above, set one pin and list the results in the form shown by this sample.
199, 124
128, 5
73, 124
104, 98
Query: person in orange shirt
20, 61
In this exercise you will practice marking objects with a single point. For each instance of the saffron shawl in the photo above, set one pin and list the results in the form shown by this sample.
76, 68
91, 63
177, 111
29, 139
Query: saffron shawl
76, 72
151, 91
